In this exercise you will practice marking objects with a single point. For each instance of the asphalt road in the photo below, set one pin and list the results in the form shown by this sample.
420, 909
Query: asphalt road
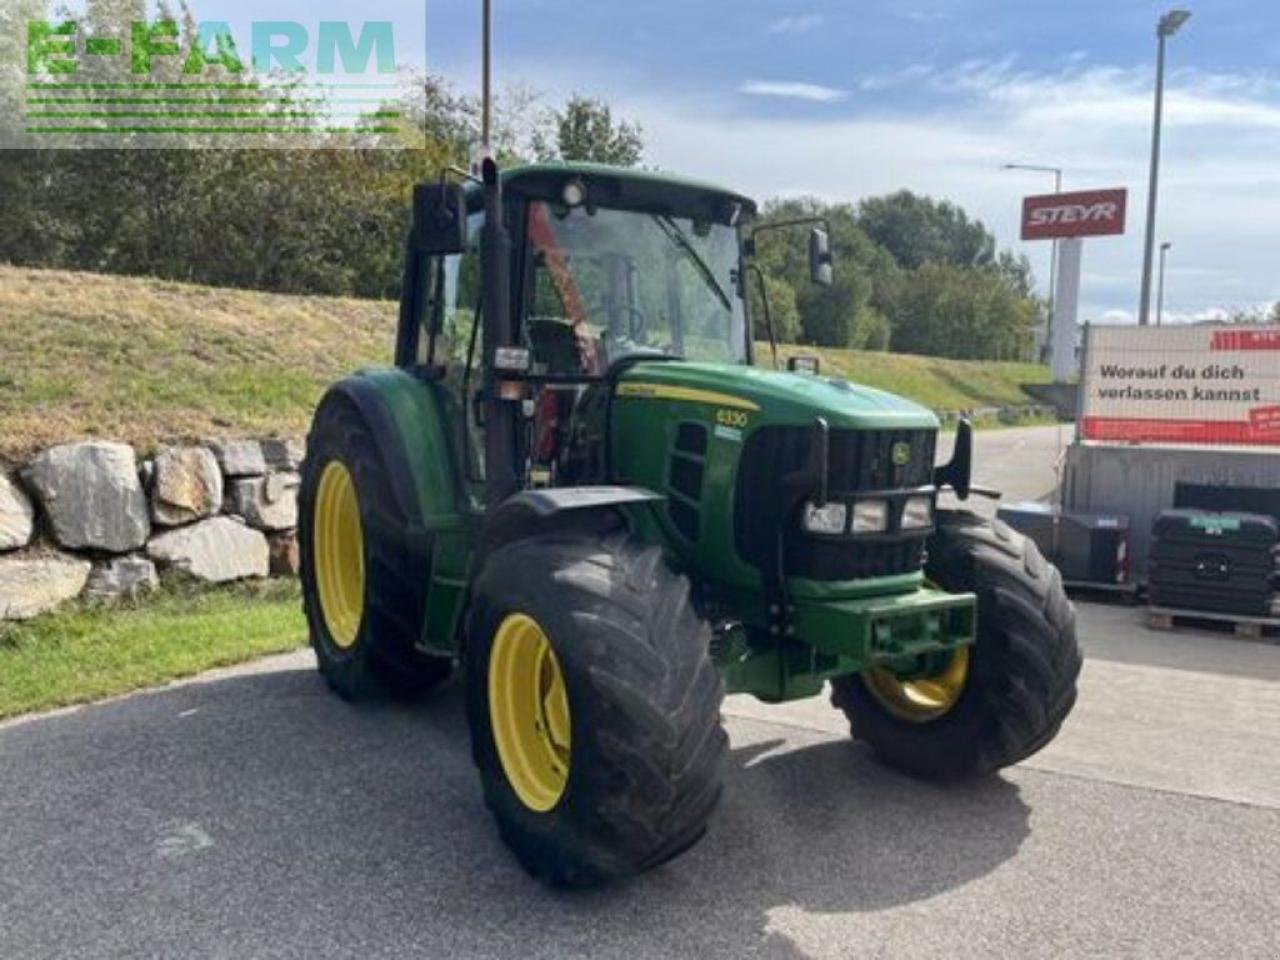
1021, 462
252, 814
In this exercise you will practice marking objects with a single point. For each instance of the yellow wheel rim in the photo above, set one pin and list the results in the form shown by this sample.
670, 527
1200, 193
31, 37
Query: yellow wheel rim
924, 698
339, 555
529, 712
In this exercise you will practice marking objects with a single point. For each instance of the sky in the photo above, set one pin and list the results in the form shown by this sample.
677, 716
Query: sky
849, 98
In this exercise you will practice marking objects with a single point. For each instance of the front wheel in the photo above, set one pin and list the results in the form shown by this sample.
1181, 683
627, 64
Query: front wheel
364, 585
594, 706
991, 705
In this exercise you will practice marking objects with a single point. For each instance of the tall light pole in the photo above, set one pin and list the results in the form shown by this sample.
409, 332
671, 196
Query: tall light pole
486, 26
1164, 252
1169, 25
1053, 251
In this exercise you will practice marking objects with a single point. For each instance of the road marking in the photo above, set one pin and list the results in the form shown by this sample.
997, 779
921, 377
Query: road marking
178, 839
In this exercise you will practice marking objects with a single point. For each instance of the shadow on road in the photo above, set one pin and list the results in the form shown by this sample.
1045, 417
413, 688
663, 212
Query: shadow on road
261, 816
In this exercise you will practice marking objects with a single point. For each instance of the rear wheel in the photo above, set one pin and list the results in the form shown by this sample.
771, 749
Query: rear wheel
989, 706
363, 585
594, 706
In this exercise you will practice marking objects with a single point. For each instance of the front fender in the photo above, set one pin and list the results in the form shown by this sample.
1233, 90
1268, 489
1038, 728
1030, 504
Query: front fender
532, 512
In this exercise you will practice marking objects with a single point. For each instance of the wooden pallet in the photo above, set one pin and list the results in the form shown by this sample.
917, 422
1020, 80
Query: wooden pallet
1252, 628
1127, 591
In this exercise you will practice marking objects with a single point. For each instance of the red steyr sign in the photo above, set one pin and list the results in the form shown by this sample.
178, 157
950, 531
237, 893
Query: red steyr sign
1088, 213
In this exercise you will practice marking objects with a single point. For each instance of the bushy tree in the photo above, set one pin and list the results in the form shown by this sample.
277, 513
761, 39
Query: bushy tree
842, 315
950, 311
782, 308
585, 130
917, 229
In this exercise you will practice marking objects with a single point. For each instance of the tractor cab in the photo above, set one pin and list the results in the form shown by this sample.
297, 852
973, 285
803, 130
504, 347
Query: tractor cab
602, 268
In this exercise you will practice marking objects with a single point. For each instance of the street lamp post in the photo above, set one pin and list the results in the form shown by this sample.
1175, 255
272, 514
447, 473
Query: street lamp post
1053, 250
1164, 252
1169, 25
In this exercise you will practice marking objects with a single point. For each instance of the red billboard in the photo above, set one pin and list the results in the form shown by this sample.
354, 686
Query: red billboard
1087, 213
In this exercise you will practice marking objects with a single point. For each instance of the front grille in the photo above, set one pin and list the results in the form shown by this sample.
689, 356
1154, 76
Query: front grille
859, 461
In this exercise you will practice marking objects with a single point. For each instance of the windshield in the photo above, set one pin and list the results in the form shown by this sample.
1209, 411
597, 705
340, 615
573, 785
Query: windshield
608, 283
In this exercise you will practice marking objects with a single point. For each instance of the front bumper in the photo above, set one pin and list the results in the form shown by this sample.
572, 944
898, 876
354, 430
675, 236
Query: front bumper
831, 636
884, 629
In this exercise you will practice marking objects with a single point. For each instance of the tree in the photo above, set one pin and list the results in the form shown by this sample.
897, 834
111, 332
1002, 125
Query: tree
843, 315
917, 230
782, 308
586, 131
945, 310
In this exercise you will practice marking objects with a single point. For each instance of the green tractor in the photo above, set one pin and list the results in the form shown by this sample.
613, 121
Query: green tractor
575, 487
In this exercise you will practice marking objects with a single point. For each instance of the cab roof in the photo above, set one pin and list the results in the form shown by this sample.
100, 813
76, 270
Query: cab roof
626, 183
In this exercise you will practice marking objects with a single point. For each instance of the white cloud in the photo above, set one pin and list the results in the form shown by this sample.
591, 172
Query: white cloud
1220, 182
912, 73
1220, 185
796, 23
793, 90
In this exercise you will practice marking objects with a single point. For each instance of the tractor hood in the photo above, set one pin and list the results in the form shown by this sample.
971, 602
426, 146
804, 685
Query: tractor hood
782, 398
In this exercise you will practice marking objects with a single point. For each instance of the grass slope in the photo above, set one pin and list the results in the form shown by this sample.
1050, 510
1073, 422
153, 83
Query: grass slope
140, 360
936, 382
146, 361
80, 654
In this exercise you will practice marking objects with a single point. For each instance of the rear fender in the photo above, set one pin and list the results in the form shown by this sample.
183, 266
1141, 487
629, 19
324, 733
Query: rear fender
407, 417
407, 420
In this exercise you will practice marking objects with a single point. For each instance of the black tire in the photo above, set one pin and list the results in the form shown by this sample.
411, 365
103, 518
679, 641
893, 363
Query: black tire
383, 659
1022, 673
644, 700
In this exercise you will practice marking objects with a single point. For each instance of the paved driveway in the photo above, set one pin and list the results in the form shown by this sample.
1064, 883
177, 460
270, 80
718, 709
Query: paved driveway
251, 814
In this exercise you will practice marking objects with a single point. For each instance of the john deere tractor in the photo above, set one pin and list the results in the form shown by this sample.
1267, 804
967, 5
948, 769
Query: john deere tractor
577, 488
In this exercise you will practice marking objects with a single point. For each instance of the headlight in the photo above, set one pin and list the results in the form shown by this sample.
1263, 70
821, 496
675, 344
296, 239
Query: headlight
917, 513
829, 518
871, 516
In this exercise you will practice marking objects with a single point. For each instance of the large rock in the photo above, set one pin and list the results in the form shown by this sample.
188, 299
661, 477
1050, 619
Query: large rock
240, 458
268, 503
31, 584
92, 495
120, 577
284, 454
17, 516
186, 485
218, 549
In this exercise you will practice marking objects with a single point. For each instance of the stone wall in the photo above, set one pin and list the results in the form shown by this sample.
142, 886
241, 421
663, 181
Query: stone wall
94, 519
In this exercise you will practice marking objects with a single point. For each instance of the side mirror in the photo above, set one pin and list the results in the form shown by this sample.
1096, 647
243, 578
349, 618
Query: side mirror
820, 257
803, 363
958, 473
439, 218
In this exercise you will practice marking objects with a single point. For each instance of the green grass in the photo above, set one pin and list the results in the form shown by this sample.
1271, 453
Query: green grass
149, 361
935, 382
83, 653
